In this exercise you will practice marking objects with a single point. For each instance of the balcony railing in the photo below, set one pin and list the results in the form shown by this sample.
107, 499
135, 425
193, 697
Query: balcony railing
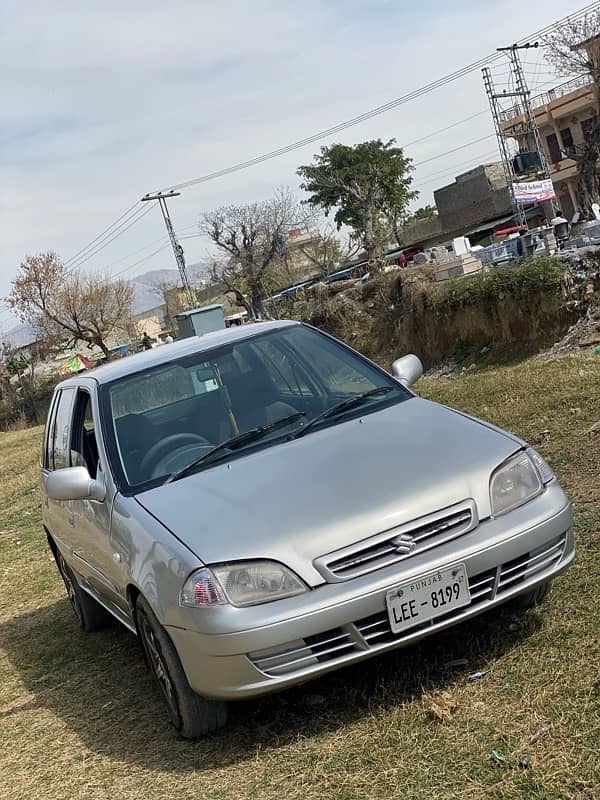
547, 97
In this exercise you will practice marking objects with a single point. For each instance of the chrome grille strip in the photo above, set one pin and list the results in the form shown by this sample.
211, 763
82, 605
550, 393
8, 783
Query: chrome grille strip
390, 547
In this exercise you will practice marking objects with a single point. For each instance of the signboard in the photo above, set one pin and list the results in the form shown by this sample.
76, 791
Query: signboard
533, 192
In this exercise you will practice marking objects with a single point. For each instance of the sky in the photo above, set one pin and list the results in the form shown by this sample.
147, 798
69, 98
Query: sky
103, 102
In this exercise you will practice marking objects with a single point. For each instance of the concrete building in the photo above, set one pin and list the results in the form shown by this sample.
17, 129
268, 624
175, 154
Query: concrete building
475, 203
563, 115
153, 321
477, 196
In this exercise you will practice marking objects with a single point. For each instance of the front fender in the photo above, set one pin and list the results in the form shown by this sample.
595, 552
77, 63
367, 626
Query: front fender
149, 558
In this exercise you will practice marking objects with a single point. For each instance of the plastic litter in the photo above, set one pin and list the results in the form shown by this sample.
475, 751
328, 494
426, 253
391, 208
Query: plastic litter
475, 676
525, 761
497, 756
597, 349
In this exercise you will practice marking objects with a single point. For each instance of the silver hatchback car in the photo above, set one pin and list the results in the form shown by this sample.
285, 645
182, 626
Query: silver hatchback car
262, 505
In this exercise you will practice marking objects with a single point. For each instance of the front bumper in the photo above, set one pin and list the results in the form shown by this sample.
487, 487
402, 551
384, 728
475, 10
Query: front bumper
337, 624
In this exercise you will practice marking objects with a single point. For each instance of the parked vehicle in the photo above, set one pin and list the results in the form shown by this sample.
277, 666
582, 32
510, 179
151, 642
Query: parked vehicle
262, 505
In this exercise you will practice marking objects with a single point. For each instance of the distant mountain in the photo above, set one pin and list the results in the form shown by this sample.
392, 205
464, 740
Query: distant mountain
146, 295
19, 335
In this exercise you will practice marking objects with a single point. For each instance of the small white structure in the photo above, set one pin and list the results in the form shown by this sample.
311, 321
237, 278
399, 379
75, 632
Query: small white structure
199, 321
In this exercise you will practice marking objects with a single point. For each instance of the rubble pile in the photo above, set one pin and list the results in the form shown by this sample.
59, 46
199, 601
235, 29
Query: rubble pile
584, 333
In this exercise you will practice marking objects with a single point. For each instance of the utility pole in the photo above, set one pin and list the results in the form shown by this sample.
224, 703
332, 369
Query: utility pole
509, 172
529, 128
177, 248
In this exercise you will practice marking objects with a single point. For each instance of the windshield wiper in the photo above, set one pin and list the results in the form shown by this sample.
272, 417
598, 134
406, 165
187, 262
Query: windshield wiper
343, 405
253, 435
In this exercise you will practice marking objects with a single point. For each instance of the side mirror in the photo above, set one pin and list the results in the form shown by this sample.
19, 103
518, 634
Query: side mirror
407, 369
74, 483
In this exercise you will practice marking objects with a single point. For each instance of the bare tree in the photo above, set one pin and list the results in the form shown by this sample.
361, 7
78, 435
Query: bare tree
251, 240
69, 306
574, 49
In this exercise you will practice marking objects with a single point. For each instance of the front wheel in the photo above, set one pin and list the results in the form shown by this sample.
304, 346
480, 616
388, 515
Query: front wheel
191, 715
535, 596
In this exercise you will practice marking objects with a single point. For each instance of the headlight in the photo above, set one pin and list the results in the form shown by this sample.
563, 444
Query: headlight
241, 584
514, 483
543, 468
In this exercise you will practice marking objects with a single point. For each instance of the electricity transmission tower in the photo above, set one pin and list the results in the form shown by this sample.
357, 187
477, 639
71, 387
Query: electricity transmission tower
528, 129
177, 248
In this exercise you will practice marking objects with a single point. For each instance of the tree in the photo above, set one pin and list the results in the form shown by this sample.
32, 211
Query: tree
70, 306
425, 212
574, 49
368, 185
251, 242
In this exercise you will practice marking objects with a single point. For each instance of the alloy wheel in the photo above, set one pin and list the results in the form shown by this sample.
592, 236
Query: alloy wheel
159, 668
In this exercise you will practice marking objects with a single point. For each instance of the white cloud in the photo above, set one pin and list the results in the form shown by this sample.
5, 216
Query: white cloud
105, 101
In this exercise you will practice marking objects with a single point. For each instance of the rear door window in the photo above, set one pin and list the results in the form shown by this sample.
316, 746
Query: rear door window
49, 432
60, 455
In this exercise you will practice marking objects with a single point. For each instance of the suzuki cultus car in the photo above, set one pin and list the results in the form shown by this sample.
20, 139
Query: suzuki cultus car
262, 505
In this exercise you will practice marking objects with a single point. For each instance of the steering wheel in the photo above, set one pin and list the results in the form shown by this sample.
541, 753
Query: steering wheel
175, 441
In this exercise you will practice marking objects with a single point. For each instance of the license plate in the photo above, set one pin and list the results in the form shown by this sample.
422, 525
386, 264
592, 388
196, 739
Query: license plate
429, 596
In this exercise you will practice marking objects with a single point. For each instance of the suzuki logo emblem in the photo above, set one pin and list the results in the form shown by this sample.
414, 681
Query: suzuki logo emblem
404, 544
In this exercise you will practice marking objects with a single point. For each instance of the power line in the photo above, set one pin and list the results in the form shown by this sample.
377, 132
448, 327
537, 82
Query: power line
116, 233
447, 128
455, 149
100, 235
450, 170
413, 95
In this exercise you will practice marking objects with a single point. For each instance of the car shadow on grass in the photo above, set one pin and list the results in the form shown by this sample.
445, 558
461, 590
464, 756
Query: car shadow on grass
98, 685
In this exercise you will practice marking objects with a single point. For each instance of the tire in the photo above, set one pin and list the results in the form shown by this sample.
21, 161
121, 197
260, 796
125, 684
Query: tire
192, 716
535, 596
90, 615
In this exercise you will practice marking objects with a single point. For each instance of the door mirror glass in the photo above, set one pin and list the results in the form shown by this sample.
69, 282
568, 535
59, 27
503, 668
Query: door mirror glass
74, 483
407, 369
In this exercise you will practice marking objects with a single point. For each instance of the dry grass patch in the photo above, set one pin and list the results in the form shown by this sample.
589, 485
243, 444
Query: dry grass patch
80, 718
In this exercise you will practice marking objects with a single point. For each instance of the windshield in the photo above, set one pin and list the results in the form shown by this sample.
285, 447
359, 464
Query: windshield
276, 383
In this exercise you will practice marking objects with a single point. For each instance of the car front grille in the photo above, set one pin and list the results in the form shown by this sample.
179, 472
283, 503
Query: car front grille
527, 566
390, 547
374, 631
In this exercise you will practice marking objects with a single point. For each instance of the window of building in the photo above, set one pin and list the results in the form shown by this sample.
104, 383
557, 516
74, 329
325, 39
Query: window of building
567, 140
586, 127
553, 148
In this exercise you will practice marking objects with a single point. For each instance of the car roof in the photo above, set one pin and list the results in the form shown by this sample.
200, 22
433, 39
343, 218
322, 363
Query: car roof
148, 359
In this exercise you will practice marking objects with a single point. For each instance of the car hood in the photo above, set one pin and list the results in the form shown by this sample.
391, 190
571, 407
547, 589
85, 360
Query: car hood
301, 499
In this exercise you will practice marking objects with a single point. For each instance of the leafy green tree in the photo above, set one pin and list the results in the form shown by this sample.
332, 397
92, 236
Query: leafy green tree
367, 184
425, 212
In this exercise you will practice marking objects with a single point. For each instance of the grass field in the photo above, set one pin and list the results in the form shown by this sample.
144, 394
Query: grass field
80, 718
